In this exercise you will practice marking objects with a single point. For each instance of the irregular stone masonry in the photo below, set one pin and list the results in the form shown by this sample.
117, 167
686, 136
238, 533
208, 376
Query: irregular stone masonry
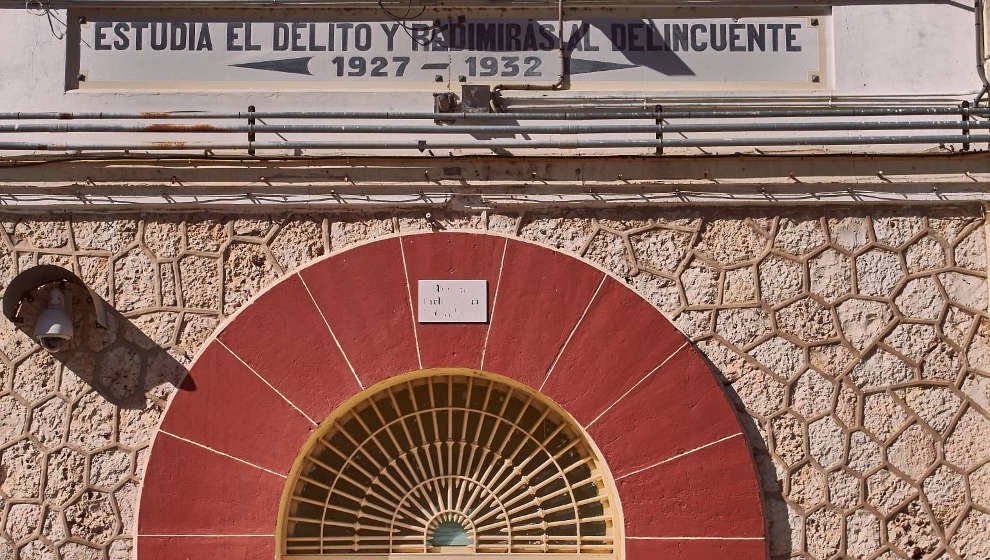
855, 345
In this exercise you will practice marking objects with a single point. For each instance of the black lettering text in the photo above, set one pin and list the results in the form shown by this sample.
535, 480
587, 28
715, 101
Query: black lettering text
617, 33
757, 36
100, 31
792, 37
484, 36
549, 41
362, 36
390, 31
313, 44
139, 28
205, 41
512, 34
735, 37
775, 37
345, 34
680, 38
636, 38
280, 41
248, 45
159, 36
529, 39
655, 41
179, 36
717, 37
297, 36
123, 42
233, 38
696, 43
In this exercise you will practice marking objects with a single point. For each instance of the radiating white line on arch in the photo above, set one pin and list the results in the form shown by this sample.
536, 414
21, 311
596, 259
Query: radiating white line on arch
491, 316
329, 328
412, 307
221, 453
577, 325
638, 383
266, 382
208, 536
679, 455
695, 538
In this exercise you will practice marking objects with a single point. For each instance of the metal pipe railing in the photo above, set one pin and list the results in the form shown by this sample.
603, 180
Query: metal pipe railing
496, 129
375, 4
385, 124
567, 115
494, 144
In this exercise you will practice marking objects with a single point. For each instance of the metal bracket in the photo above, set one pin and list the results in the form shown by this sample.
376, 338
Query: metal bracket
445, 102
659, 120
476, 98
23, 284
965, 118
251, 134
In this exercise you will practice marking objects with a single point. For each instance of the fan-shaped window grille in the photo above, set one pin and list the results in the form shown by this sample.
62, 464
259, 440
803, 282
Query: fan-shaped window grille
450, 464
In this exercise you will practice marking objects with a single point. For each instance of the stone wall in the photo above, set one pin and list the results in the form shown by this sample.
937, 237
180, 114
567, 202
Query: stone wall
856, 346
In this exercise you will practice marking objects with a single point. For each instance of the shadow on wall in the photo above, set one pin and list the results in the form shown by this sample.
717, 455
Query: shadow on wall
778, 530
120, 362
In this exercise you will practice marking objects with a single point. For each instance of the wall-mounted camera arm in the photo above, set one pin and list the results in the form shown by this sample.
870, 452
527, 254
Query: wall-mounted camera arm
38, 276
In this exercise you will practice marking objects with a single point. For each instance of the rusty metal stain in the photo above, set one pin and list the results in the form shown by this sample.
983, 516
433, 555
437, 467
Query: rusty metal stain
168, 145
180, 128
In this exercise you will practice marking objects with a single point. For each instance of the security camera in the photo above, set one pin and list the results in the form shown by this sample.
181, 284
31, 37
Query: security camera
54, 327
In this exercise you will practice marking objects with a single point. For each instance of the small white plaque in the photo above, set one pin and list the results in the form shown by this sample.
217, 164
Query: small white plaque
453, 301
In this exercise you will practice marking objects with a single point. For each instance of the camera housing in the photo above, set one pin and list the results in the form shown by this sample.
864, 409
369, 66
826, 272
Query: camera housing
54, 327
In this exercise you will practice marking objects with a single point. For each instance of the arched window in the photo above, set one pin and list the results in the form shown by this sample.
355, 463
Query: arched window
446, 462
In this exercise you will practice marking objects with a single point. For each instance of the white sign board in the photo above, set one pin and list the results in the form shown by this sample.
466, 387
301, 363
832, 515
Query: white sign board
453, 301
781, 52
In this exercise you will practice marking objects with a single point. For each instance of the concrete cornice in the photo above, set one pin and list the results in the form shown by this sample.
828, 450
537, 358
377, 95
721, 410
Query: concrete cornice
493, 181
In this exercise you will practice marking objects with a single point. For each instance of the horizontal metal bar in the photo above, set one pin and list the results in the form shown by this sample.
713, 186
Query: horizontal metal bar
826, 141
454, 3
343, 115
168, 198
494, 129
569, 143
568, 115
86, 202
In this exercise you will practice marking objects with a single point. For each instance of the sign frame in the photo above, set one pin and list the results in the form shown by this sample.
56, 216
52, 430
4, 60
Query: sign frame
818, 79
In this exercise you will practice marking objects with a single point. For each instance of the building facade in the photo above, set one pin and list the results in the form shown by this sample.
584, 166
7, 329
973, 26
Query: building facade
691, 280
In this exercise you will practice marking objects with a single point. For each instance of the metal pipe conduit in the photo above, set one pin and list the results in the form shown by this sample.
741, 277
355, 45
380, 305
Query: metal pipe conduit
507, 129
375, 4
491, 144
382, 124
570, 115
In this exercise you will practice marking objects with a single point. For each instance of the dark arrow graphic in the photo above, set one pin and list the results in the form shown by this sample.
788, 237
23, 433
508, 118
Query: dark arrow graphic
287, 65
581, 66
301, 66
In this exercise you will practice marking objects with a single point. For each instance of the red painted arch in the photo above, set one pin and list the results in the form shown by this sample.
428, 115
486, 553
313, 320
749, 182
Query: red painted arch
684, 473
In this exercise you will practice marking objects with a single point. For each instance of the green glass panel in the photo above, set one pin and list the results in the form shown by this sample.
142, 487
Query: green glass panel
450, 533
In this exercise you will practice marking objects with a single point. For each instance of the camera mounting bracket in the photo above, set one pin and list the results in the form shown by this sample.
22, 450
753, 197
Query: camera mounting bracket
38, 276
